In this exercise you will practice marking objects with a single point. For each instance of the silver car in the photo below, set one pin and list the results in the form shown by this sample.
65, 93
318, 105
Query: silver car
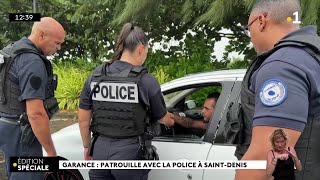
177, 143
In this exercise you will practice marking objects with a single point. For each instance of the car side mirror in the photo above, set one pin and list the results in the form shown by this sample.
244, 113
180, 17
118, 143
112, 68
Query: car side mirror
190, 104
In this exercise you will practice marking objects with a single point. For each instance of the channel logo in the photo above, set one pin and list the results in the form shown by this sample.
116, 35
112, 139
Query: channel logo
34, 164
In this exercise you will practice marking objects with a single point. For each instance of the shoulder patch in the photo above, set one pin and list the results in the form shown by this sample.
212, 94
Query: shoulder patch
273, 92
35, 82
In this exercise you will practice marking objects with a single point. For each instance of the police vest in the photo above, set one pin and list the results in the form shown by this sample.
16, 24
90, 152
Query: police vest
308, 146
117, 109
10, 94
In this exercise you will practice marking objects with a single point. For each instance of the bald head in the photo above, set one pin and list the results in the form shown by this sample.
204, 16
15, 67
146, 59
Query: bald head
47, 24
47, 35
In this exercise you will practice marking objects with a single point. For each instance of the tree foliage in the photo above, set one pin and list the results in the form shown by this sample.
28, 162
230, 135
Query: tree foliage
92, 26
183, 34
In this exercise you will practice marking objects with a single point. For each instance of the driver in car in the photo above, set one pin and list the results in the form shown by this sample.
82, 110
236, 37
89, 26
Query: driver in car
207, 111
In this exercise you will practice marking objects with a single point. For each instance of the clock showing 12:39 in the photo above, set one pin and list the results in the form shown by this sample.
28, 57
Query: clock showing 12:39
24, 17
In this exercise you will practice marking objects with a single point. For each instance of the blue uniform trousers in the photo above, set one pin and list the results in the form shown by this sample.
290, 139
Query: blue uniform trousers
117, 149
10, 135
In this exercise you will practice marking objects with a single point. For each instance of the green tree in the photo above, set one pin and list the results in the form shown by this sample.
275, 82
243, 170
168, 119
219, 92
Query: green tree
217, 13
13, 30
237, 63
92, 27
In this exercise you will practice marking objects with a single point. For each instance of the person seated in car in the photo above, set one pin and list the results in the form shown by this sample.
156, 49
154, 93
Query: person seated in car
207, 112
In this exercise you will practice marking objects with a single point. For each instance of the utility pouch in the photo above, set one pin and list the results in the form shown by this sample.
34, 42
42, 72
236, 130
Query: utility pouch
55, 81
51, 106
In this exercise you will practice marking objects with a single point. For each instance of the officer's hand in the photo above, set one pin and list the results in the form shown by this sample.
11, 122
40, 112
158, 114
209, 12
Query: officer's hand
52, 154
86, 154
168, 119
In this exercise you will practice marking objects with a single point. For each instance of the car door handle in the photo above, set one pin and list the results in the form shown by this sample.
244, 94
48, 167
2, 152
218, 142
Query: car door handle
184, 170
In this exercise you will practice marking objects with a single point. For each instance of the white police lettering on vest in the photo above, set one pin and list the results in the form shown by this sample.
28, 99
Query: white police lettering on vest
115, 92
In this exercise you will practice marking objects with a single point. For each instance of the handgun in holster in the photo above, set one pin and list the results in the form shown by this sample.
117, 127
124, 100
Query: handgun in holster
146, 150
27, 135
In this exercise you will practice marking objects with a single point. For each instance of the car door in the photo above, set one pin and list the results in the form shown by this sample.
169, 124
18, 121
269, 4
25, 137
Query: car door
188, 148
220, 146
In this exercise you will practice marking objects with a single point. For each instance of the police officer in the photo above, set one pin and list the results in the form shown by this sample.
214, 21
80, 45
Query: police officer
122, 100
281, 88
27, 100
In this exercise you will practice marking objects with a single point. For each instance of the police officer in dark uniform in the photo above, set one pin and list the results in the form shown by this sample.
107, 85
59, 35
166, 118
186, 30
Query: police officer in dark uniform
122, 100
27, 101
281, 88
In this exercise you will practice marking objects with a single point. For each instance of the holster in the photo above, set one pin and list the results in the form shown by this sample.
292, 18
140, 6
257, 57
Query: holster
27, 135
146, 150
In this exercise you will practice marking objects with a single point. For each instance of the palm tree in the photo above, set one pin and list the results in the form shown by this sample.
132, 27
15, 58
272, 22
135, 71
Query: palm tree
212, 12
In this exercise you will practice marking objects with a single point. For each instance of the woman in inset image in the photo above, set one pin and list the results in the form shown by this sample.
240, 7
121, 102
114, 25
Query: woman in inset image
282, 159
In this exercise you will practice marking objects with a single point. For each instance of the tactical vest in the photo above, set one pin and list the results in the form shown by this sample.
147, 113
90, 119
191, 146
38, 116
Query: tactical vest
308, 146
11, 104
118, 112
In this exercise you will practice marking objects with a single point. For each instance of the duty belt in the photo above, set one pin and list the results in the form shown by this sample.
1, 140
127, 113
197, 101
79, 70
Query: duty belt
10, 120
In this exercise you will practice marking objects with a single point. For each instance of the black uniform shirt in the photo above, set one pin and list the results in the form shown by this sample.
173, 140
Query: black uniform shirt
287, 87
28, 70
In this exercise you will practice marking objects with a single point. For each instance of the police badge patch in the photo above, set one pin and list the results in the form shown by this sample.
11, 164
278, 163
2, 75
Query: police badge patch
273, 92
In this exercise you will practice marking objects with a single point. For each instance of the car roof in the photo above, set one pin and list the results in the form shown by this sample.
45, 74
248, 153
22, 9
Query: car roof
233, 72
220, 74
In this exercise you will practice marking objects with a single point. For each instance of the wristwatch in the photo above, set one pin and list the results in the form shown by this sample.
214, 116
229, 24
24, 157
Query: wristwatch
181, 114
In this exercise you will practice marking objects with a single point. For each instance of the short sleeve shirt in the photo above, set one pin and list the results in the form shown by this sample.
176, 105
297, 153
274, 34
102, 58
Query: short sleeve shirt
149, 91
29, 71
294, 75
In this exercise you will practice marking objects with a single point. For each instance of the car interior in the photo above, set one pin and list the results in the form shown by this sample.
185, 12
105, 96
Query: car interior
188, 101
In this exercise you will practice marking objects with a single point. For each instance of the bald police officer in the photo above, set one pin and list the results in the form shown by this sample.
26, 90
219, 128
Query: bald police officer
281, 88
122, 100
27, 100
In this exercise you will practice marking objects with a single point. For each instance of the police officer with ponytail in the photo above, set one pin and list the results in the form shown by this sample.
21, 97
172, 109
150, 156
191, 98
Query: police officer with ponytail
118, 104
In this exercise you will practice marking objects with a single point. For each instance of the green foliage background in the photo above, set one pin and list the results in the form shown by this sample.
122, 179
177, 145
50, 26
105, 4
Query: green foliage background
71, 79
92, 28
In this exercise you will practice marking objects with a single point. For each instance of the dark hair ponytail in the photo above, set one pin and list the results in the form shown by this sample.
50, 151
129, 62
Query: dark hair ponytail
130, 37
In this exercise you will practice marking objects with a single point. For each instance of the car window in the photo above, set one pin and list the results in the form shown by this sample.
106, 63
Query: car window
169, 98
188, 102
